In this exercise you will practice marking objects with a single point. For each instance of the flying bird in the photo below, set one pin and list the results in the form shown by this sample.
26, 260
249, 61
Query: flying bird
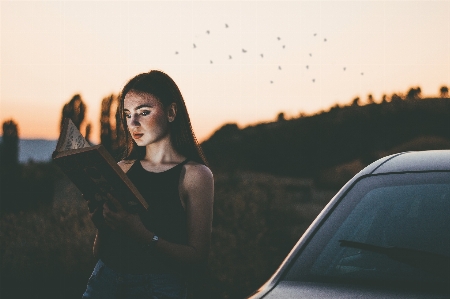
307, 67
211, 61
229, 57
310, 54
344, 68
195, 46
207, 31
315, 34
279, 67
324, 39
244, 51
278, 38
262, 56
226, 25
284, 46
176, 53
314, 80
271, 82
362, 74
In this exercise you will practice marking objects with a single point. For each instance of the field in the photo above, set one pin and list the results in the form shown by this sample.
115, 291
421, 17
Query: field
46, 251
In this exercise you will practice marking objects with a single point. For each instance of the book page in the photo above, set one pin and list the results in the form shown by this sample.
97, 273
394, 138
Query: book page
71, 138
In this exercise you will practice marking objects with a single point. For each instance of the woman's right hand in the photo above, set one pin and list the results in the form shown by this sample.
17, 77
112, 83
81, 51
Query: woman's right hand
95, 211
97, 217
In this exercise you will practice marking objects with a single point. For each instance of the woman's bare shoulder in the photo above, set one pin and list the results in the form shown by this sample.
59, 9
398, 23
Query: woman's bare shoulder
126, 164
196, 171
198, 183
196, 174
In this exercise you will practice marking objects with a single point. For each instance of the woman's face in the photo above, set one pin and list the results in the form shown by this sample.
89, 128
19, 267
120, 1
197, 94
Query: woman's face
147, 120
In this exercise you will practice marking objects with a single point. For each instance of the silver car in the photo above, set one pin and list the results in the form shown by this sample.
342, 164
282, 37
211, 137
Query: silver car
386, 234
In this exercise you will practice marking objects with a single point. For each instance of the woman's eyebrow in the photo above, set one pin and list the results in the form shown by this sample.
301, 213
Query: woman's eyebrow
139, 107
143, 106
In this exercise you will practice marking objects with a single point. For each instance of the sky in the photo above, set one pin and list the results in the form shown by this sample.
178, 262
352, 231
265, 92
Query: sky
234, 61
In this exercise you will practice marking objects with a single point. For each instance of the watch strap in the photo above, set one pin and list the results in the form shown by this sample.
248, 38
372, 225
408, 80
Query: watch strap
152, 243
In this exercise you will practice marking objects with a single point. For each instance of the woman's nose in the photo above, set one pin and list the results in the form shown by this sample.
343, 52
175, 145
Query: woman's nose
134, 120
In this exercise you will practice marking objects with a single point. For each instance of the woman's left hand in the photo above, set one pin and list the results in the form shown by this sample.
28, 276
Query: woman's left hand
118, 219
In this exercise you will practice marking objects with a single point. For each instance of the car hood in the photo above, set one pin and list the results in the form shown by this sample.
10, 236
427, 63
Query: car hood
306, 290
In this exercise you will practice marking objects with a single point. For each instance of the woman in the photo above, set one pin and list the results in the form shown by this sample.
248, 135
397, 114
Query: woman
151, 255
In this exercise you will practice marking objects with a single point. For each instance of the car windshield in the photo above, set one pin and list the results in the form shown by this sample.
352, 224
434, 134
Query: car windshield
388, 230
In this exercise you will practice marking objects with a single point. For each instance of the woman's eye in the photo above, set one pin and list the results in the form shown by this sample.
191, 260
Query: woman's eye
127, 115
145, 113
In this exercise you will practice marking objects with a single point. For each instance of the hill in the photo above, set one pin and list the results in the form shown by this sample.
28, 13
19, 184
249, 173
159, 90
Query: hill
309, 146
36, 150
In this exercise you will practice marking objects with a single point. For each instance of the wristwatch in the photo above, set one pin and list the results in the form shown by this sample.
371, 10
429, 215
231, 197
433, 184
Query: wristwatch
152, 243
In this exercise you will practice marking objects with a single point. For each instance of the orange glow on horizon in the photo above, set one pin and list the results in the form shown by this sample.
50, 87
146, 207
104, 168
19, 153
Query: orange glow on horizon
235, 62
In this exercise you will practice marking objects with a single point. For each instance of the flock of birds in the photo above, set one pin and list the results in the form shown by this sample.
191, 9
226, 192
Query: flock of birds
244, 51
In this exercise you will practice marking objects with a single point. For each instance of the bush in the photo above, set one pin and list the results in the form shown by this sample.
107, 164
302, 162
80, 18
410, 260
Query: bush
257, 220
26, 187
46, 253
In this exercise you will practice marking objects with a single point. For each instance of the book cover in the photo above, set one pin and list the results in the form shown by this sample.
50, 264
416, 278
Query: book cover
94, 171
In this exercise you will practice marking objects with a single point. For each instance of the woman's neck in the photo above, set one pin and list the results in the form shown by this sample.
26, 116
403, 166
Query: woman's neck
161, 153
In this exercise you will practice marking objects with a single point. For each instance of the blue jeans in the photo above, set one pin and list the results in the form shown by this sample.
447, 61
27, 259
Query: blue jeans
106, 283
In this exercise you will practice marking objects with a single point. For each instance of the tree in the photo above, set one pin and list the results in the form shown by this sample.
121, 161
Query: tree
10, 145
22, 186
418, 92
370, 99
355, 101
281, 117
108, 129
395, 98
10, 170
335, 107
413, 93
384, 99
75, 109
444, 91
88, 132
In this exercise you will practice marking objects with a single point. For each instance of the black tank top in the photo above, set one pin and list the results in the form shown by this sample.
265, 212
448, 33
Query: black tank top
166, 217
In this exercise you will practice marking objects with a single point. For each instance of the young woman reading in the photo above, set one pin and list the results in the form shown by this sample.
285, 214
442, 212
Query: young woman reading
150, 255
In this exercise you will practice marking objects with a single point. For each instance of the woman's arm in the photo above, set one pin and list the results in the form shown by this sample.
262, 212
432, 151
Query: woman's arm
198, 195
95, 213
197, 191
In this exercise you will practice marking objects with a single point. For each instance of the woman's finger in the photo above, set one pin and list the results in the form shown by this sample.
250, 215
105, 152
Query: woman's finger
106, 209
109, 215
106, 215
92, 205
115, 202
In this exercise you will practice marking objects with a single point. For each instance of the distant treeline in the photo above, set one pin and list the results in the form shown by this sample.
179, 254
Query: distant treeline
301, 147
308, 145
47, 232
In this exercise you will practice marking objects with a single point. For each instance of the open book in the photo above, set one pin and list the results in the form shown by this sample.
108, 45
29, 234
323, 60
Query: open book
94, 171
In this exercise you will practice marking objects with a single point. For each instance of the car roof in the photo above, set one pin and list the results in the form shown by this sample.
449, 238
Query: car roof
433, 160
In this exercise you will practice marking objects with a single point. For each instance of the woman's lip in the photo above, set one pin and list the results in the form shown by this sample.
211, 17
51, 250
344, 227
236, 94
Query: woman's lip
137, 136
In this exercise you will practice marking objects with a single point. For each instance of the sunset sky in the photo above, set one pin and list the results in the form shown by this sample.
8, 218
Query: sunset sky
314, 54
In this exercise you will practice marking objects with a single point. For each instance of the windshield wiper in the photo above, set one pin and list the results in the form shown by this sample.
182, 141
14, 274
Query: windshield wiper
424, 260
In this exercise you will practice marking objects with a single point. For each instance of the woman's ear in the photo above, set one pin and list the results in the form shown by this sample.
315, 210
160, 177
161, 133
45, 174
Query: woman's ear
172, 112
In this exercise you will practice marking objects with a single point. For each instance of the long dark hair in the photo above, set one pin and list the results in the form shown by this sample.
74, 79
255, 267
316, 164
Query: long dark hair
162, 87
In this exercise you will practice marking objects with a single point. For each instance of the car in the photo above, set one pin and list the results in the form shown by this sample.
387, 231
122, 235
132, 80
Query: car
385, 234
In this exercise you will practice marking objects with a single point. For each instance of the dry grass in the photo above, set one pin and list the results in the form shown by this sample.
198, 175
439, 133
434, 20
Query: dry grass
257, 220
48, 250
